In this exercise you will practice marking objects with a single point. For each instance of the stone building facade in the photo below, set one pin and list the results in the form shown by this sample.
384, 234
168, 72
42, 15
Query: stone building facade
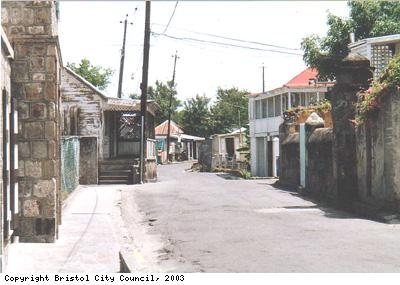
31, 27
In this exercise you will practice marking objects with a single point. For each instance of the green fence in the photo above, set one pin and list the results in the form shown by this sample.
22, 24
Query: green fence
69, 163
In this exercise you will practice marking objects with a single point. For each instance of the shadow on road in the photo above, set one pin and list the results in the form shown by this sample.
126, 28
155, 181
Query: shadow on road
327, 208
228, 176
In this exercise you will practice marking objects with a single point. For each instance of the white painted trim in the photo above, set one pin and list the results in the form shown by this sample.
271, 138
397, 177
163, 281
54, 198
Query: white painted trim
5, 42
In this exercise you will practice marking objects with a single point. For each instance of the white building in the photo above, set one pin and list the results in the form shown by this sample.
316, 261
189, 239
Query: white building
265, 116
379, 50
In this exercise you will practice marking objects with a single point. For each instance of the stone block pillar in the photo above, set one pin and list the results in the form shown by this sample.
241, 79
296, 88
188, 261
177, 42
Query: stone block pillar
88, 161
353, 75
31, 27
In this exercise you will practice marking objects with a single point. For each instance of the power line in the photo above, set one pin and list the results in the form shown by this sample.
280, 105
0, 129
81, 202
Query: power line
234, 39
223, 44
170, 19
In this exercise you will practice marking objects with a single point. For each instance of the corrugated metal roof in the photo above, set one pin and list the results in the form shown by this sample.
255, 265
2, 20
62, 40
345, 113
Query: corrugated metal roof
119, 104
162, 129
303, 78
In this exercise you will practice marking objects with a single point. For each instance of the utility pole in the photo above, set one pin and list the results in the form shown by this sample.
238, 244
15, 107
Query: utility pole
121, 65
143, 86
263, 79
240, 129
170, 104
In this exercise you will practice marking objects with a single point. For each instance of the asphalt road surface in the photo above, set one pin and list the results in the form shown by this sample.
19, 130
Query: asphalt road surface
209, 222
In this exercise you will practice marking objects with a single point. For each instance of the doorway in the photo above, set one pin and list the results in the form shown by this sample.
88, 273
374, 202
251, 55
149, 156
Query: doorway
230, 146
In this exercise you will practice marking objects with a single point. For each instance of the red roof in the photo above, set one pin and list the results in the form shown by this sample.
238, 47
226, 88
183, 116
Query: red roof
303, 79
162, 129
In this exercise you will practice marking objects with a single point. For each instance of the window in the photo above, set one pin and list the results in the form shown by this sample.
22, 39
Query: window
264, 108
295, 99
285, 103
311, 98
278, 110
302, 99
258, 109
271, 107
74, 121
381, 55
129, 126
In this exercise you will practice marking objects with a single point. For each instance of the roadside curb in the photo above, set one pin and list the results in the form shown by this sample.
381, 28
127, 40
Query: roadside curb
125, 264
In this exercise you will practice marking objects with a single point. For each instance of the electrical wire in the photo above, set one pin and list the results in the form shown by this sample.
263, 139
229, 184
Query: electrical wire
234, 39
170, 19
224, 44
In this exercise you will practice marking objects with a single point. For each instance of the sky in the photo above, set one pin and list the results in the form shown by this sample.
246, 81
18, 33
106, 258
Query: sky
220, 44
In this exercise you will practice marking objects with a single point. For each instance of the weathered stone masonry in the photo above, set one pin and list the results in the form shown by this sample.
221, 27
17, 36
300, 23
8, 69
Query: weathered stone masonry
31, 27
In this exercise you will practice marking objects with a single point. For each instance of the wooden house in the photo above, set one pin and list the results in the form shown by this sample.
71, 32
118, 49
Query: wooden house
113, 124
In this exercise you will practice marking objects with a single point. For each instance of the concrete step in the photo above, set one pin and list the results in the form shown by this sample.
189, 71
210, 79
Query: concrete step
114, 177
116, 171
125, 182
119, 161
105, 168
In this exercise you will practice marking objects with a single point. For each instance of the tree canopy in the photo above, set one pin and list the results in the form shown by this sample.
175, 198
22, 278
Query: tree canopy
196, 116
161, 94
230, 110
367, 19
96, 75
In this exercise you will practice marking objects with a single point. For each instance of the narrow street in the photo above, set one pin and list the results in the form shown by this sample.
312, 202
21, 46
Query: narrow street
206, 222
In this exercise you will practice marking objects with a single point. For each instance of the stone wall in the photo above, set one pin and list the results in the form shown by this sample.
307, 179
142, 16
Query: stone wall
378, 156
319, 174
289, 155
88, 165
31, 27
205, 155
354, 74
345, 165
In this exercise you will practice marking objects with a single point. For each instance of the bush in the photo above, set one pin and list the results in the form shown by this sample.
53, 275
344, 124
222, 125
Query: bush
369, 101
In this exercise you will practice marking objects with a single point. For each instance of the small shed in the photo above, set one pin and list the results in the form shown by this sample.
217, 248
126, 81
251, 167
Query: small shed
182, 146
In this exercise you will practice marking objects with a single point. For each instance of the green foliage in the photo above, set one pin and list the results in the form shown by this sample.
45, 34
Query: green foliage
134, 96
161, 94
391, 76
369, 101
325, 53
319, 107
196, 116
230, 110
96, 75
246, 174
374, 18
367, 19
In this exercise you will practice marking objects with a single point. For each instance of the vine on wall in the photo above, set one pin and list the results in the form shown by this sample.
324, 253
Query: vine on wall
369, 101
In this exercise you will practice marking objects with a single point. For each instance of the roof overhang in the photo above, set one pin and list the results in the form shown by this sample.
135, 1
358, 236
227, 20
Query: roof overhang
319, 87
128, 105
376, 40
182, 137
